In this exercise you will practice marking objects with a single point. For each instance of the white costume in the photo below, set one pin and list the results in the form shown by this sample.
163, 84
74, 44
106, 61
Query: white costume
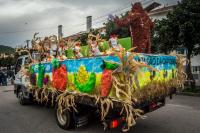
114, 44
77, 50
95, 49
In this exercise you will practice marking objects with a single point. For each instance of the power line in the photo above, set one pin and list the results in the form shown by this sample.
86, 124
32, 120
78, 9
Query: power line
104, 17
116, 12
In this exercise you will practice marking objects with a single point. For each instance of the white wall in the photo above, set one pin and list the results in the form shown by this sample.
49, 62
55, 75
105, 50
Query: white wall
195, 60
158, 16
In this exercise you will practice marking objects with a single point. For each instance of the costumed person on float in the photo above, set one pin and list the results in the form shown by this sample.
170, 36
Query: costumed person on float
94, 47
93, 44
54, 47
140, 26
69, 46
77, 50
100, 42
61, 49
113, 43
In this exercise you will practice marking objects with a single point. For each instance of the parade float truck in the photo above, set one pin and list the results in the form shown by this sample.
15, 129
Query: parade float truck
117, 88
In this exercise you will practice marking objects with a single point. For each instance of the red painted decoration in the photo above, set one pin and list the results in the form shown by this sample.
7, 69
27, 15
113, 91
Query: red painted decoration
140, 26
106, 82
60, 78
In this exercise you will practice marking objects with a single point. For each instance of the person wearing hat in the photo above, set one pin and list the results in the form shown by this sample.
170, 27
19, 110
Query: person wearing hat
94, 47
77, 50
113, 42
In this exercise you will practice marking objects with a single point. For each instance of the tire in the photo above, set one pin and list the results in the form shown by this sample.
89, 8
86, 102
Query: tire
64, 120
22, 99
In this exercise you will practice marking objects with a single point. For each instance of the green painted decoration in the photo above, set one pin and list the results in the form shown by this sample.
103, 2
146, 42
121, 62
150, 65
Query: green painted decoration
88, 86
55, 63
109, 65
41, 69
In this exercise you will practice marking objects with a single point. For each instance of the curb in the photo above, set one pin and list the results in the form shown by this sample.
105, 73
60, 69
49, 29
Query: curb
189, 94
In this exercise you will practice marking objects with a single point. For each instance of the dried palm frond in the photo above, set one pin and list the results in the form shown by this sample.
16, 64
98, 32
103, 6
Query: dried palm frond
54, 94
45, 95
131, 115
105, 104
66, 102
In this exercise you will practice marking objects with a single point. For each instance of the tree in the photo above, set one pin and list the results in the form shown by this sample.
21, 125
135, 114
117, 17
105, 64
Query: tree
83, 39
161, 37
180, 29
7, 62
112, 28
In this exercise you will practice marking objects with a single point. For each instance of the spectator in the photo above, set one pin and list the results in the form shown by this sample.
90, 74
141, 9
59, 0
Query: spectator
1, 76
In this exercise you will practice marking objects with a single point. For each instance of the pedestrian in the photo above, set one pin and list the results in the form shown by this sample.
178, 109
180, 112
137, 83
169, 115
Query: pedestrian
1, 75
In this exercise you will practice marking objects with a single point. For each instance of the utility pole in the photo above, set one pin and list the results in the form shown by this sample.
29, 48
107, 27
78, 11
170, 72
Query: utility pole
88, 23
27, 43
60, 34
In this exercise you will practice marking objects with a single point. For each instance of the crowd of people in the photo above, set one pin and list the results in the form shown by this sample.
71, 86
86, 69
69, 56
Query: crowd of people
51, 47
6, 76
94, 43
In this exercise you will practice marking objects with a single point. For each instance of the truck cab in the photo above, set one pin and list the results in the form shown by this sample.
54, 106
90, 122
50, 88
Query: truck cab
20, 88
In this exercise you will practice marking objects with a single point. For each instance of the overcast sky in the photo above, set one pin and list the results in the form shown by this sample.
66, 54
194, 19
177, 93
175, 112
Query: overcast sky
20, 19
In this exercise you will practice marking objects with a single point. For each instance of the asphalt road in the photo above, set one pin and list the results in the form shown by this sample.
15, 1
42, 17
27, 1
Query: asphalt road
180, 115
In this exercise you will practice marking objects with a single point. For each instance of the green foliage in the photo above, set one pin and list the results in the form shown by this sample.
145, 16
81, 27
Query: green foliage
112, 28
161, 40
7, 62
83, 39
6, 49
180, 28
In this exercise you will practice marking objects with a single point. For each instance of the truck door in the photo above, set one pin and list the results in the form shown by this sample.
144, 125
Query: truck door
18, 67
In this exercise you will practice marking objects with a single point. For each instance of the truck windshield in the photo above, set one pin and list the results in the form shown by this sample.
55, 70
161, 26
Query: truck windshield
27, 61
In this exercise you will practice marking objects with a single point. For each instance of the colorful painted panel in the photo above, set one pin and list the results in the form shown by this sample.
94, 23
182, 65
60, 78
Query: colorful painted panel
94, 75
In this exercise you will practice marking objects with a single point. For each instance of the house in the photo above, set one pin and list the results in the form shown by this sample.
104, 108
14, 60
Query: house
160, 12
77, 35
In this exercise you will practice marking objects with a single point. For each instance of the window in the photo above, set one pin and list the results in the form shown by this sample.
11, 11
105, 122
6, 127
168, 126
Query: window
195, 76
27, 61
18, 65
196, 69
180, 51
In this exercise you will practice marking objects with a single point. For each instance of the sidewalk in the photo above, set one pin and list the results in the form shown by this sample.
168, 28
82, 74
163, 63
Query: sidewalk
6, 88
189, 94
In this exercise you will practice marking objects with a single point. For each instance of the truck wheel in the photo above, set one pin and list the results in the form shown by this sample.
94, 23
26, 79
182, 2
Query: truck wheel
22, 99
65, 119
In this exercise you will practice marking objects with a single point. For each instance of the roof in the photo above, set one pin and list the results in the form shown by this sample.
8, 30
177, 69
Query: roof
152, 6
162, 8
74, 36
